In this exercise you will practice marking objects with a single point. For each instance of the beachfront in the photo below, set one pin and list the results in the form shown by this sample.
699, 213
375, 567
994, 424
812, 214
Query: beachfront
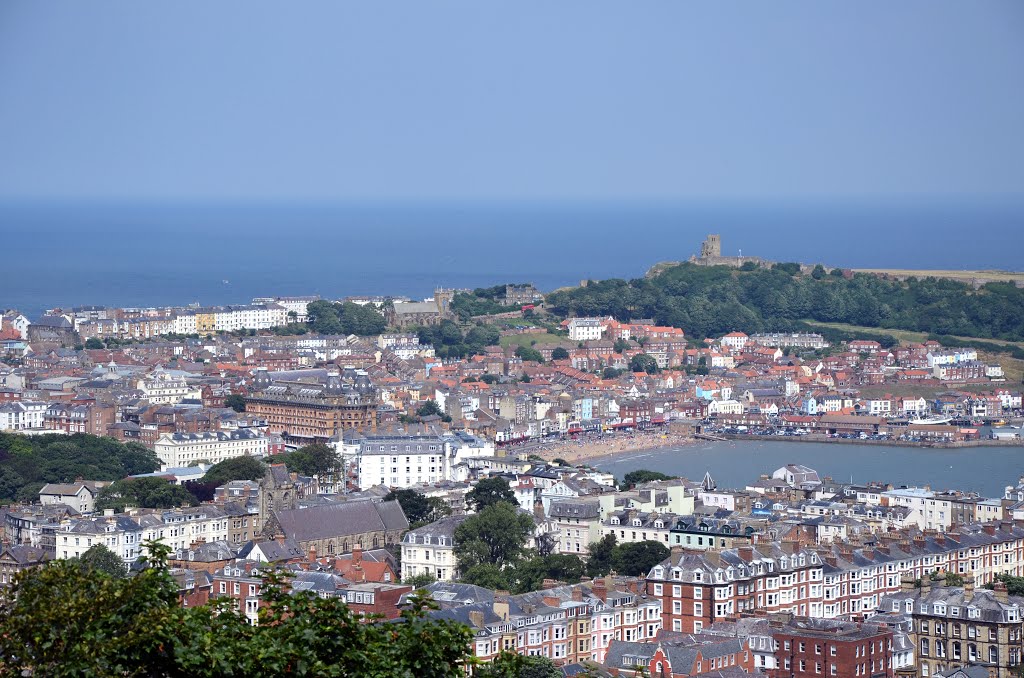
588, 448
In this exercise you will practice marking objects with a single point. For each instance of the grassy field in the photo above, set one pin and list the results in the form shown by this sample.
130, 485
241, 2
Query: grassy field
962, 276
529, 339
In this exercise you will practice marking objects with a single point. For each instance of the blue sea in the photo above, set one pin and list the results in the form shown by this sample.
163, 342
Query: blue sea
156, 254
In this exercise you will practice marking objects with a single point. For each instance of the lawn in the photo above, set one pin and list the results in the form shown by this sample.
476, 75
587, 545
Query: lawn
530, 339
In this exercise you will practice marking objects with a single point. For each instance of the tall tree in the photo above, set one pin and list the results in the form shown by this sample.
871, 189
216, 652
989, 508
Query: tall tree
636, 559
99, 558
490, 491
497, 535
418, 508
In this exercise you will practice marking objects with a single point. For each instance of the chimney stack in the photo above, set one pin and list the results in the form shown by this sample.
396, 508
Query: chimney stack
476, 618
357, 554
968, 587
1002, 595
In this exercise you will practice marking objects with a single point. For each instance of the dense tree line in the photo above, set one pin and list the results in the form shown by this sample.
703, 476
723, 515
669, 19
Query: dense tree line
714, 300
72, 619
28, 463
347, 318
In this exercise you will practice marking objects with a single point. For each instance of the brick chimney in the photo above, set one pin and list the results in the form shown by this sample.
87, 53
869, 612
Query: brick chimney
746, 553
968, 587
549, 584
926, 585
1001, 594
599, 589
577, 594
279, 538
990, 528
884, 549
476, 618
312, 554
906, 584
357, 554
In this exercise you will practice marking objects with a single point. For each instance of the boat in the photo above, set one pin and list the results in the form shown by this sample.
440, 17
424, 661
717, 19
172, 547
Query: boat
928, 421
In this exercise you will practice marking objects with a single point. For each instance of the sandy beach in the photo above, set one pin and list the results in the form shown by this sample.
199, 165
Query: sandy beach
590, 448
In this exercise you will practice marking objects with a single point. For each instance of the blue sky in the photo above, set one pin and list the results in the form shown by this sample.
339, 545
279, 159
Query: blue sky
568, 100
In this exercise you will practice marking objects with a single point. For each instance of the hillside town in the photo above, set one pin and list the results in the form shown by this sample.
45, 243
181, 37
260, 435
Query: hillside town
795, 573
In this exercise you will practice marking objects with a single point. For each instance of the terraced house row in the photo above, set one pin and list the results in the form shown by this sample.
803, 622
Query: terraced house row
568, 624
698, 588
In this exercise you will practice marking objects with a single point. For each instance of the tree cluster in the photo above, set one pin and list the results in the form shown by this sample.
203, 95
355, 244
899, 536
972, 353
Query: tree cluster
66, 619
150, 492
641, 475
632, 559
714, 300
28, 463
347, 318
481, 301
317, 459
419, 509
449, 341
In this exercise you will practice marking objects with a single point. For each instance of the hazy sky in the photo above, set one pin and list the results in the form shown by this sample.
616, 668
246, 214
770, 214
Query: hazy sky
253, 100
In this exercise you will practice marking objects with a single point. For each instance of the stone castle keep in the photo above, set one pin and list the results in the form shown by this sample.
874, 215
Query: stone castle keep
711, 255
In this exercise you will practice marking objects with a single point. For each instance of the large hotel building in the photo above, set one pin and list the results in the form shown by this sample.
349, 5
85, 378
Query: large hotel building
313, 406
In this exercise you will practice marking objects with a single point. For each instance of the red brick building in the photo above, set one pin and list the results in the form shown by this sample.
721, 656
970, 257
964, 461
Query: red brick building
817, 647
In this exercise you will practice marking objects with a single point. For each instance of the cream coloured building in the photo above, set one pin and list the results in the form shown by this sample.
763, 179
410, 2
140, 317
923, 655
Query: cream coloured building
431, 550
176, 450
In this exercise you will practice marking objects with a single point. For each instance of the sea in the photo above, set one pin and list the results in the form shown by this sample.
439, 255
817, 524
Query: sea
151, 254
734, 464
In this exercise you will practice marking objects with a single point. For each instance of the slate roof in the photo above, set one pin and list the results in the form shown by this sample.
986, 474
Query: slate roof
341, 519
272, 550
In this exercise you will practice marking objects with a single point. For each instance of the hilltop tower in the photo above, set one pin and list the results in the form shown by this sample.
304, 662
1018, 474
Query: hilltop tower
443, 299
711, 247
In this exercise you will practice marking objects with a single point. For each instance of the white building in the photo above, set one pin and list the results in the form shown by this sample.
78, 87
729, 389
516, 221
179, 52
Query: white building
431, 550
402, 461
932, 513
119, 533
180, 528
182, 449
22, 415
735, 341
80, 496
161, 388
586, 329
297, 305
185, 323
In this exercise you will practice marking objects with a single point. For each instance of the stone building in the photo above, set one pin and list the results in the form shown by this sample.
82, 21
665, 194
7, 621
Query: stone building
17, 557
955, 627
337, 528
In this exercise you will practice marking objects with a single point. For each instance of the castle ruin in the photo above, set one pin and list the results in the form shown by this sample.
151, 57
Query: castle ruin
711, 255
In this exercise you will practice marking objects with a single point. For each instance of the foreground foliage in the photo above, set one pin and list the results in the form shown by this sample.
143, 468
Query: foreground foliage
66, 620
